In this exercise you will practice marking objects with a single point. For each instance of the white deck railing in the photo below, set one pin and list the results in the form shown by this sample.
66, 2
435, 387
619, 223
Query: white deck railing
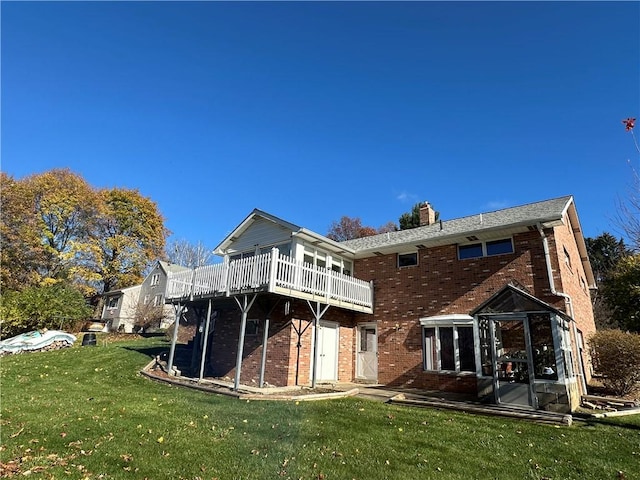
270, 271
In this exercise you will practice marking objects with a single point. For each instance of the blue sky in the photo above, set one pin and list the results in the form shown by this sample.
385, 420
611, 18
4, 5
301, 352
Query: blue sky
315, 110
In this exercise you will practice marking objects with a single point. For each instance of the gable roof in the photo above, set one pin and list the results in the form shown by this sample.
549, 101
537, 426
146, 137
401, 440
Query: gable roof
121, 291
513, 299
296, 231
507, 221
172, 267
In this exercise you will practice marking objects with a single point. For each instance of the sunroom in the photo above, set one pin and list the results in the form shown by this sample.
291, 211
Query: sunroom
517, 347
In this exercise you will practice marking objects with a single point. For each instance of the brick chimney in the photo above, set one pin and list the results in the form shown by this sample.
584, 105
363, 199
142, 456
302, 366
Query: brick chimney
427, 214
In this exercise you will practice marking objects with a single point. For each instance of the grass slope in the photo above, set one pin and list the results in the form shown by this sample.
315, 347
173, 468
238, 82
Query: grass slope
85, 412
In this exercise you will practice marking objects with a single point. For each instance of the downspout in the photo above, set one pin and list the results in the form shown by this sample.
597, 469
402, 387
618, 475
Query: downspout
552, 286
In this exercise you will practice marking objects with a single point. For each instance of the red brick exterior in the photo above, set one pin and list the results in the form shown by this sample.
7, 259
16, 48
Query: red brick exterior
283, 361
442, 284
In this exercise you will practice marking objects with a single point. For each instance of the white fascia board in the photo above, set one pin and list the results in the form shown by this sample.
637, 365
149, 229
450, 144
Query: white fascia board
327, 243
452, 318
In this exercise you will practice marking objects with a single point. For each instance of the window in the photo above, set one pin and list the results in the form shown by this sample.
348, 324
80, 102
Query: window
567, 258
157, 300
485, 249
542, 346
155, 279
449, 348
283, 248
407, 259
340, 265
251, 328
499, 247
112, 302
146, 299
470, 251
315, 257
238, 256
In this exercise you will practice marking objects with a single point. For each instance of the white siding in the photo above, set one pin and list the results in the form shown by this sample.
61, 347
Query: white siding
260, 232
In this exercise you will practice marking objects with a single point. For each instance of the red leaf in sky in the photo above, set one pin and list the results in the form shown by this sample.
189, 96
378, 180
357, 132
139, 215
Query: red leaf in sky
629, 123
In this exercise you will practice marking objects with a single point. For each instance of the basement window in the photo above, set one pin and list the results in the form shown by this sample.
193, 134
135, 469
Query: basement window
407, 259
251, 329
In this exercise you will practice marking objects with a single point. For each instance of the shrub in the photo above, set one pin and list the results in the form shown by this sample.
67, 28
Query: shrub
52, 306
616, 356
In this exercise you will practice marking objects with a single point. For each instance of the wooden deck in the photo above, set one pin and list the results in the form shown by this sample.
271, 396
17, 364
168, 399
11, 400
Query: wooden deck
274, 273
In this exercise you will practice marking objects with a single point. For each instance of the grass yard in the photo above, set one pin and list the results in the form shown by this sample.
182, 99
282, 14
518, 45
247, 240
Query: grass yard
85, 412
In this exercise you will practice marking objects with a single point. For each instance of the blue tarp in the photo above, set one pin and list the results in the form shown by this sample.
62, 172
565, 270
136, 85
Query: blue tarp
35, 340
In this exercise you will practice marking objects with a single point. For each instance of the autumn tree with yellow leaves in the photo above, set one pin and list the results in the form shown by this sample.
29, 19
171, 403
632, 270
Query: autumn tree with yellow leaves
55, 228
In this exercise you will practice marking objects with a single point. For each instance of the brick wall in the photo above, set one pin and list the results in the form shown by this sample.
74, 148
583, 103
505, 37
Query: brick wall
442, 284
569, 277
284, 361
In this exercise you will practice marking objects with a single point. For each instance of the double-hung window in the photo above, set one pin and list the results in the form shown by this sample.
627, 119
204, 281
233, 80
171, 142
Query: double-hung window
448, 343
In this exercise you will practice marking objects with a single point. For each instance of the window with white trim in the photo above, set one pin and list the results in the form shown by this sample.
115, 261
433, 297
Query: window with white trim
155, 279
315, 257
157, 300
407, 259
448, 348
485, 249
112, 302
283, 248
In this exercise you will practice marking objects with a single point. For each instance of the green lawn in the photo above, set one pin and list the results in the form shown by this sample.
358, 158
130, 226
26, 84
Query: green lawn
85, 412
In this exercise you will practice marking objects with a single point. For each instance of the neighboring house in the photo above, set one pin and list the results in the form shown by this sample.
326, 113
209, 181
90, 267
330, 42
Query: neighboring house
142, 304
495, 304
120, 307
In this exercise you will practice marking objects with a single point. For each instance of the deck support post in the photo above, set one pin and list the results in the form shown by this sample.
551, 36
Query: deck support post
245, 306
265, 336
178, 309
317, 315
205, 341
263, 360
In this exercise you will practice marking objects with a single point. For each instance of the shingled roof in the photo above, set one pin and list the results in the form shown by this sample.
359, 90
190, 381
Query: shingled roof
488, 224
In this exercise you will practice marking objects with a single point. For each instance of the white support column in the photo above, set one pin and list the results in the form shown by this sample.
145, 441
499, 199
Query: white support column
245, 306
263, 360
172, 351
317, 315
204, 342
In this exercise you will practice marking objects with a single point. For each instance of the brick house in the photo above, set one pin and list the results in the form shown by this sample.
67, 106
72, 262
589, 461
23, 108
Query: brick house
495, 304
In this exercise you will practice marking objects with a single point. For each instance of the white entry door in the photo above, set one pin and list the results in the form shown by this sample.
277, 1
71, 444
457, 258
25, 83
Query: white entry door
327, 368
367, 353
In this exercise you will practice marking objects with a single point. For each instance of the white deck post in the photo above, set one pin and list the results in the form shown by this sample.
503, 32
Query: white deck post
204, 342
263, 360
317, 315
245, 306
174, 339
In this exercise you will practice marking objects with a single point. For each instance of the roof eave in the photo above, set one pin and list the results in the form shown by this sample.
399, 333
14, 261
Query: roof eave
454, 238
